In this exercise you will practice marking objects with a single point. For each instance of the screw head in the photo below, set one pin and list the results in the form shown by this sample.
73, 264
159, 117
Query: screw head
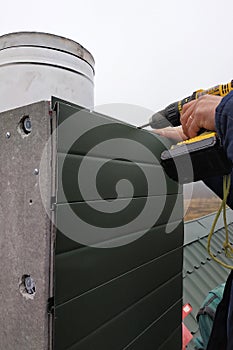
36, 171
8, 134
30, 285
27, 125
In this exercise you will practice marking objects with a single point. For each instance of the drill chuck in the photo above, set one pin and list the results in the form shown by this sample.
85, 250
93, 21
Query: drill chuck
170, 116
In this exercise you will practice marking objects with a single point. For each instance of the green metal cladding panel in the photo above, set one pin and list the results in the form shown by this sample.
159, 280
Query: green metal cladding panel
118, 261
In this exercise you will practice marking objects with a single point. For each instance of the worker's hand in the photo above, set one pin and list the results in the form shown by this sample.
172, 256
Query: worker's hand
175, 133
199, 114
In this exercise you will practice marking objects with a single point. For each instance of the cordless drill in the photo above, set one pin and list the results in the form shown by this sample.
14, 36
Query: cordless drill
205, 152
171, 114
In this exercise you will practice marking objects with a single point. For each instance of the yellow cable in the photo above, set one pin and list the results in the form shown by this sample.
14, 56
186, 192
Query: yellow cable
226, 245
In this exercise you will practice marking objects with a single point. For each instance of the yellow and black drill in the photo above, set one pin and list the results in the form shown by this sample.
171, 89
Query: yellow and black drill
171, 114
205, 152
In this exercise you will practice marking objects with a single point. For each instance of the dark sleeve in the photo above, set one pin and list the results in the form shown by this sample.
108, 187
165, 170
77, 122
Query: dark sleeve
224, 126
218, 337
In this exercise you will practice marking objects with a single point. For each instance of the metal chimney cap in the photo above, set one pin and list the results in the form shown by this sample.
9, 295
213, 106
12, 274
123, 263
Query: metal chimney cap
46, 40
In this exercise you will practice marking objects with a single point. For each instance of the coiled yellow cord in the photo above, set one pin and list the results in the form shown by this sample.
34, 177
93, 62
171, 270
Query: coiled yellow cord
226, 245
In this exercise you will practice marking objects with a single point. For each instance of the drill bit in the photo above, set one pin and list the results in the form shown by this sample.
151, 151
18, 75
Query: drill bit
143, 126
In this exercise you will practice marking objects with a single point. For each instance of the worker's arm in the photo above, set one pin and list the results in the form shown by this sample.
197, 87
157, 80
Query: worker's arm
224, 123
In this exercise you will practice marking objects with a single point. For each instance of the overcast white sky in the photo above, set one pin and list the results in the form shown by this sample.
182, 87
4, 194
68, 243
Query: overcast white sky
147, 53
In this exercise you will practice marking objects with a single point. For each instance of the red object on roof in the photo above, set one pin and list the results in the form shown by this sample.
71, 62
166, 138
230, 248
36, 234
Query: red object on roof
186, 334
187, 308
